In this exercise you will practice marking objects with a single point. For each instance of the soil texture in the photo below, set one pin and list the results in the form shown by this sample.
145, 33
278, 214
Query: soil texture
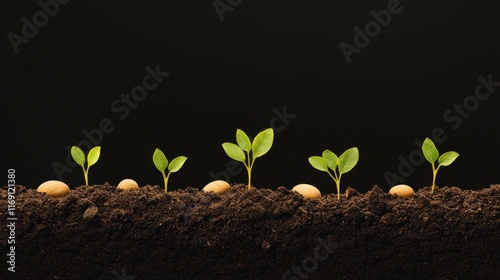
100, 232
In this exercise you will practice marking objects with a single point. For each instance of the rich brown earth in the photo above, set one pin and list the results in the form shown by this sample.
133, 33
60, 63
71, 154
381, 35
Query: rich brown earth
99, 232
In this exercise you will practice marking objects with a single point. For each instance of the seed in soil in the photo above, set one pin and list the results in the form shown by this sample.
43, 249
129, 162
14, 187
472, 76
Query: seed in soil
307, 191
53, 188
127, 184
217, 186
402, 190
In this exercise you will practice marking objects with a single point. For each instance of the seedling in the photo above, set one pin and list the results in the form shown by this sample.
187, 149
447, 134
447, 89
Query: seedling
247, 151
431, 154
161, 163
339, 165
79, 157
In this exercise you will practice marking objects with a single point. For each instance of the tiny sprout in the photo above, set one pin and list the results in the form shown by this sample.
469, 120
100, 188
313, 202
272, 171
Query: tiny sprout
79, 157
339, 165
161, 163
431, 154
247, 151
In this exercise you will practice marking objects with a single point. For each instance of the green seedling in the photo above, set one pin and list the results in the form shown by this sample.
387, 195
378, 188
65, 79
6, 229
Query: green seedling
161, 163
431, 153
246, 151
339, 165
92, 158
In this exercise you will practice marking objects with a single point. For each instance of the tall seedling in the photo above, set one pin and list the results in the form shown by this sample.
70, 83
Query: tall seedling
431, 154
162, 164
247, 151
339, 165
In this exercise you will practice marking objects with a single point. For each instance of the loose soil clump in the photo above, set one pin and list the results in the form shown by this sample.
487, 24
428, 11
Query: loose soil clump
100, 232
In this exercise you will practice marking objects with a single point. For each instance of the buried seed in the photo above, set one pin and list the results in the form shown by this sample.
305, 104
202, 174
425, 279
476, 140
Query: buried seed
217, 186
53, 188
90, 212
402, 190
307, 191
128, 184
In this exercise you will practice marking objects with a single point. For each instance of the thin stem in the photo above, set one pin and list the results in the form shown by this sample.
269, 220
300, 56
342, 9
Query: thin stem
338, 186
337, 182
165, 180
434, 175
249, 165
86, 175
249, 171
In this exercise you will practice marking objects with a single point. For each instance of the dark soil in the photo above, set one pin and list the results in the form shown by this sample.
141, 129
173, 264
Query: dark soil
99, 232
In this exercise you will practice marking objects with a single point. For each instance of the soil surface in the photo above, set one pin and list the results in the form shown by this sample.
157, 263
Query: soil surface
99, 232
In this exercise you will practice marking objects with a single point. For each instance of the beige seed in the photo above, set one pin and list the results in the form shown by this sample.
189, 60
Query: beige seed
127, 184
404, 191
307, 191
218, 187
53, 188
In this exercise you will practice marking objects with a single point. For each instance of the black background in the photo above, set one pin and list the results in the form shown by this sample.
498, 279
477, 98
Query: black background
264, 56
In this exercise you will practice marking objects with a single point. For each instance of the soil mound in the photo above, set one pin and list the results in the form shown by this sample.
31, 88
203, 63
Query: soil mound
100, 232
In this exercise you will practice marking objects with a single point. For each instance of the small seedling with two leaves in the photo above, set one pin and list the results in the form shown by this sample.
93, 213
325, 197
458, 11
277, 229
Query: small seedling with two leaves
92, 158
339, 165
247, 151
431, 153
162, 164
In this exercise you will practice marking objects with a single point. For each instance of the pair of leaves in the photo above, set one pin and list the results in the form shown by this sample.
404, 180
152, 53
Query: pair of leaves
261, 144
344, 163
161, 162
79, 156
431, 154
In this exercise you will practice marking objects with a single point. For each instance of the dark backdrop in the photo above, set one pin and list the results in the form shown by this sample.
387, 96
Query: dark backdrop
251, 65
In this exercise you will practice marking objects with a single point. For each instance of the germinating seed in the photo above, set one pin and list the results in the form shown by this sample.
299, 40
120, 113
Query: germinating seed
53, 188
127, 184
307, 191
404, 191
218, 187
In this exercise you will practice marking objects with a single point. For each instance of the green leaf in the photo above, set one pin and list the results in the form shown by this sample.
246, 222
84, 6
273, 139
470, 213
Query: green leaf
331, 159
348, 160
262, 143
243, 140
176, 163
78, 155
447, 158
160, 160
234, 151
429, 150
93, 155
319, 163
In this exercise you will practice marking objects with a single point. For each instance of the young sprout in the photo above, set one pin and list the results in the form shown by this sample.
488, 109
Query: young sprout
339, 165
79, 157
247, 151
161, 163
431, 154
